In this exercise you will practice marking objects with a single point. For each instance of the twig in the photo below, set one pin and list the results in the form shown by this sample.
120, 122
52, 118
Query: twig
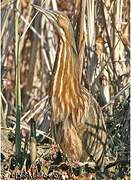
28, 128
35, 110
4, 23
6, 108
118, 94
118, 32
115, 163
106, 62
31, 22
28, 25
3, 5
7, 129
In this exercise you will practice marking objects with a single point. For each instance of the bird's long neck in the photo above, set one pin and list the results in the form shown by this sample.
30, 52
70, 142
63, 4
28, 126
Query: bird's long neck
65, 90
65, 69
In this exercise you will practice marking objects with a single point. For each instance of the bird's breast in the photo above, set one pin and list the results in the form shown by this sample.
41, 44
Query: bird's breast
66, 135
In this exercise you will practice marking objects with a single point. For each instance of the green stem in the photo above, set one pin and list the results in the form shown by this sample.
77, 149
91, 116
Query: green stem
18, 90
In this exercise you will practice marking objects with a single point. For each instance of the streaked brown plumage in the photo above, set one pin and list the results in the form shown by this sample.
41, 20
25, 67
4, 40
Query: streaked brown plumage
77, 121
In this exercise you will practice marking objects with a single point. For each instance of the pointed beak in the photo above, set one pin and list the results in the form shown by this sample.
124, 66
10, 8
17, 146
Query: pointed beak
50, 15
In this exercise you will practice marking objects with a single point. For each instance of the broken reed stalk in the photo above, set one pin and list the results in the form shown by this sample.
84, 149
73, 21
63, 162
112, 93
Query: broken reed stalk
18, 90
33, 141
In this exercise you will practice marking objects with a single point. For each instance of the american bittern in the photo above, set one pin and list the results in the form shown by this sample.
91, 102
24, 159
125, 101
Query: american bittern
77, 120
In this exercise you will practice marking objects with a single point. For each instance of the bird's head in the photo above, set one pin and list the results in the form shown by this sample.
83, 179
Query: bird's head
61, 23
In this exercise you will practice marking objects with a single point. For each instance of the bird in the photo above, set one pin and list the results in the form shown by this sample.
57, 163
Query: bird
77, 121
